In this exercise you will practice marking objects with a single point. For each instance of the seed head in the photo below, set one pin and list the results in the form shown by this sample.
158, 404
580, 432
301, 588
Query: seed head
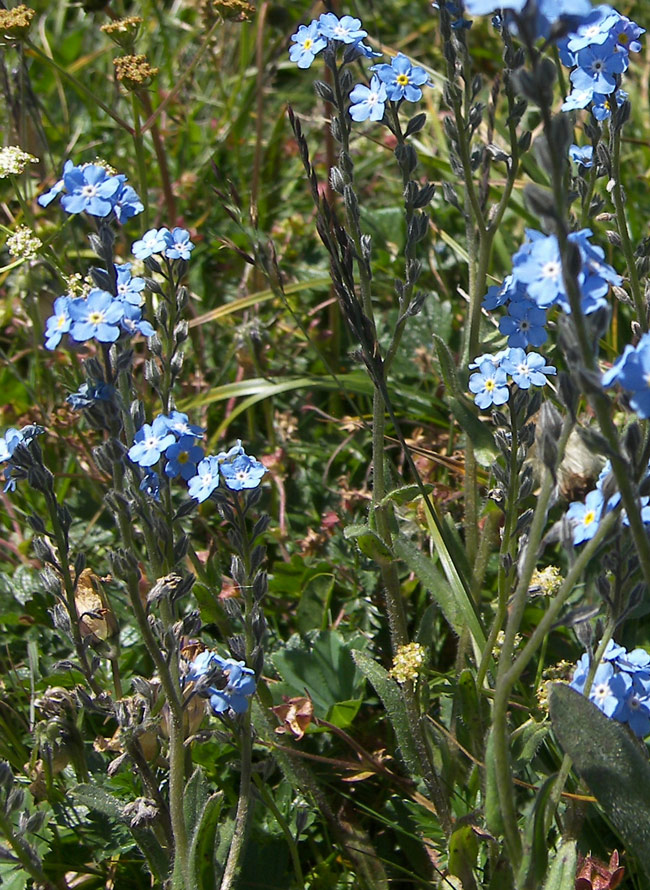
134, 72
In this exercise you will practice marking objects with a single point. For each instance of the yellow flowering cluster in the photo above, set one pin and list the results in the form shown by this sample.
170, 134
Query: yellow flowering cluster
498, 643
546, 582
16, 22
231, 10
408, 662
561, 671
134, 72
124, 31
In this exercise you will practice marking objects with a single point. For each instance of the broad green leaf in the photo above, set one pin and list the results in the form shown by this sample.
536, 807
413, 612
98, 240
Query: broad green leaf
390, 693
99, 799
463, 850
104, 802
342, 714
314, 603
562, 874
369, 543
612, 764
405, 494
12, 877
454, 601
322, 667
195, 796
203, 843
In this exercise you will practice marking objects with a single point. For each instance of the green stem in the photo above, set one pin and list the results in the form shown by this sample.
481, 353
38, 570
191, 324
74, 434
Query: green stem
267, 797
138, 142
69, 589
503, 684
161, 157
623, 231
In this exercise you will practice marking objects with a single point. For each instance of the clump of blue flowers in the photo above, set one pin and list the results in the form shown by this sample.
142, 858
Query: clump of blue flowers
396, 81
631, 371
621, 686
174, 245
238, 470
174, 439
538, 18
537, 282
585, 517
228, 684
490, 382
95, 189
310, 39
100, 315
598, 52
8, 444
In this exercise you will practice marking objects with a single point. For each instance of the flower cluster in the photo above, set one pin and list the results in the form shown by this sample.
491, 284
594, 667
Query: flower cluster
310, 39
396, 81
585, 517
408, 662
490, 382
582, 155
598, 52
537, 282
100, 315
540, 18
174, 245
8, 444
94, 189
14, 160
227, 683
632, 372
174, 438
238, 470
621, 686
23, 243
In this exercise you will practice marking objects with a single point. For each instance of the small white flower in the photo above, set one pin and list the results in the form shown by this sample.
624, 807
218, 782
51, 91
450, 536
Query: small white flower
23, 244
13, 161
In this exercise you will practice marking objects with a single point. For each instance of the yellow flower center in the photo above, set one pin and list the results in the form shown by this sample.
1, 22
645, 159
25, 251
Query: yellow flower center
490, 384
96, 317
183, 457
590, 516
402, 79
308, 43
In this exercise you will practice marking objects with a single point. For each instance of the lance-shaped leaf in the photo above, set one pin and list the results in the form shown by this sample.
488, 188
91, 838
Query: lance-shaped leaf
610, 762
